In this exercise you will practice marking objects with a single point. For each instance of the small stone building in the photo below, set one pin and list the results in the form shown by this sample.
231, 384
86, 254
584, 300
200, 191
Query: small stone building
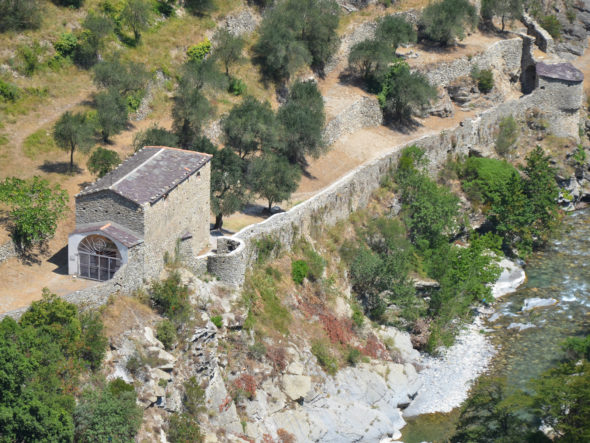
155, 202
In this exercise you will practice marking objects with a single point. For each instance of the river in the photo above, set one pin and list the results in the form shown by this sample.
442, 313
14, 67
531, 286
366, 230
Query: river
529, 324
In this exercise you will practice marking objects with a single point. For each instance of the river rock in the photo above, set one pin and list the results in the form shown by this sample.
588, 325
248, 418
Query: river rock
510, 279
521, 326
536, 302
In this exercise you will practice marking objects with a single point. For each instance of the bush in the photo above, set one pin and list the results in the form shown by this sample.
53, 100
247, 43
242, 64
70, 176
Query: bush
358, 318
444, 21
29, 59
21, 14
102, 161
507, 136
299, 270
198, 52
316, 263
267, 247
182, 428
95, 342
35, 208
154, 136
66, 44
484, 79
107, 414
484, 178
296, 33
236, 86
325, 359
551, 24
171, 298
404, 91
166, 333
353, 356
9, 92
217, 320
260, 297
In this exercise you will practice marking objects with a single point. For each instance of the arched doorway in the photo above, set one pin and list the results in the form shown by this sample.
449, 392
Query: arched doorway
529, 79
98, 258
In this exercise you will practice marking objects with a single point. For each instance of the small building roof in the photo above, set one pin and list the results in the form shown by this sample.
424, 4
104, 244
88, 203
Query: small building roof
150, 173
113, 230
560, 71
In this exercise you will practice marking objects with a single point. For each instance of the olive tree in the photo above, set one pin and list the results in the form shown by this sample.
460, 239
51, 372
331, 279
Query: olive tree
444, 21
35, 207
111, 110
273, 178
73, 131
102, 161
404, 91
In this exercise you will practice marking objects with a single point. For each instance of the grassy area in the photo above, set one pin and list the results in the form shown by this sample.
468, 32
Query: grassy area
39, 142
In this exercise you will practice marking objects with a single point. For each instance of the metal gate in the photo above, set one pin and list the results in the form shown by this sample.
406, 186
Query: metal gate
97, 267
98, 258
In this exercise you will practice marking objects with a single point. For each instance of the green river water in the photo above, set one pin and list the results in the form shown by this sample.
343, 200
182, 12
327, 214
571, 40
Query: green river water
528, 341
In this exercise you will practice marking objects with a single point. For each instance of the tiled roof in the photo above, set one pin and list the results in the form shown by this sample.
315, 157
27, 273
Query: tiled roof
150, 173
113, 230
560, 71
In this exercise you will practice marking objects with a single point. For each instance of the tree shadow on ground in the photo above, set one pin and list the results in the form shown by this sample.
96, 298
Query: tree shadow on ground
405, 126
59, 168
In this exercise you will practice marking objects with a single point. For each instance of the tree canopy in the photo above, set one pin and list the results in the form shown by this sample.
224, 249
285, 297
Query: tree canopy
73, 131
444, 21
302, 118
102, 161
403, 91
296, 33
35, 208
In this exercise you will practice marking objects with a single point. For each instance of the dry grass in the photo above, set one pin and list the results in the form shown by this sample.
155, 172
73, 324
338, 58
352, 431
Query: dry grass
124, 313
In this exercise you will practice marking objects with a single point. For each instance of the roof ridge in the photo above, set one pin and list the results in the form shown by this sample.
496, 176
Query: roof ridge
141, 165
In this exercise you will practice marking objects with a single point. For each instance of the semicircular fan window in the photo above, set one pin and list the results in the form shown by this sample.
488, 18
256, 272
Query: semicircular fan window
99, 245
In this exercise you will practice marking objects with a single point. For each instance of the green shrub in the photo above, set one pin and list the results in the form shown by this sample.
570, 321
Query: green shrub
358, 318
267, 247
257, 351
507, 135
66, 44
217, 320
353, 356
299, 270
182, 428
107, 414
102, 161
166, 333
403, 92
22, 14
445, 20
484, 79
484, 178
260, 297
133, 99
171, 298
579, 156
29, 59
198, 52
134, 364
315, 262
325, 359
9, 92
551, 24
93, 338
35, 208
236, 86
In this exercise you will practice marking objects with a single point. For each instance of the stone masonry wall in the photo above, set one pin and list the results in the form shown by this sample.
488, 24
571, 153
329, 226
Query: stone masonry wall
504, 55
185, 210
354, 190
363, 113
107, 205
7, 250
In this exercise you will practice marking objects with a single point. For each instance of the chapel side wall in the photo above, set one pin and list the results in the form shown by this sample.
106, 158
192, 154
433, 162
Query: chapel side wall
107, 205
184, 209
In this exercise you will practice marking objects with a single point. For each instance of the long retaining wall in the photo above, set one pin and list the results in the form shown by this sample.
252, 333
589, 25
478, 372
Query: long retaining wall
353, 191
236, 254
